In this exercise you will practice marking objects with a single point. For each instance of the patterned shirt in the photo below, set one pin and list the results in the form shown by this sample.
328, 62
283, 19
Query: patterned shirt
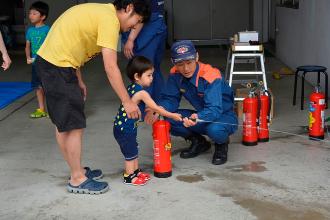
36, 36
121, 120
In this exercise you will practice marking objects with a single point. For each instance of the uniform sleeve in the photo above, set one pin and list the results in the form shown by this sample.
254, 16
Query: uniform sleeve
170, 96
108, 33
212, 102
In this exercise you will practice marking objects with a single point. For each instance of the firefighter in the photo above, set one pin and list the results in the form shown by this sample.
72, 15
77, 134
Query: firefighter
210, 96
148, 40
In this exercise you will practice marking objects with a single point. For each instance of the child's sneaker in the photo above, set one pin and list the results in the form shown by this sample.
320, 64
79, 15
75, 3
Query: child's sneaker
143, 175
134, 180
38, 114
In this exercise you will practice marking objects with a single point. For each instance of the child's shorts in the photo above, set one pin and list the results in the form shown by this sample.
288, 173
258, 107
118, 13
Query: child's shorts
64, 98
127, 142
35, 81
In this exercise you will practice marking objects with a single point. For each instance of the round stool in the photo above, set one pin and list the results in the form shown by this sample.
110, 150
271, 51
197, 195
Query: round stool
309, 69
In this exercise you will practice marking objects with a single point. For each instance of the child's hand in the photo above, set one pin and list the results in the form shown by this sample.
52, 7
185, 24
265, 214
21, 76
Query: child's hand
29, 60
176, 116
150, 117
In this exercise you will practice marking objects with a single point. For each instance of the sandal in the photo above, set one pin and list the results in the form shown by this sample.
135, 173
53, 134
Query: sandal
90, 186
38, 114
138, 172
93, 174
134, 180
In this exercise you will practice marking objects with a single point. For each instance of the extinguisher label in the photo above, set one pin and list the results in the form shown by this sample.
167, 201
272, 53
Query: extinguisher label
322, 119
156, 152
311, 120
321, 101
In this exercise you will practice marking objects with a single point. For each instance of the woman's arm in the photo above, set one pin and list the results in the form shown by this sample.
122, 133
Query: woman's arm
6, 59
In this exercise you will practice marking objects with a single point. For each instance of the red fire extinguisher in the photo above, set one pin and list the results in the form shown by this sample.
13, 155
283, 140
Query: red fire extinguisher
250, 117
264, 115
162, 149
316, 114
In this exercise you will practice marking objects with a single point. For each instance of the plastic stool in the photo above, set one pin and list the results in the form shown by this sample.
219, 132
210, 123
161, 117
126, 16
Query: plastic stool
309, 69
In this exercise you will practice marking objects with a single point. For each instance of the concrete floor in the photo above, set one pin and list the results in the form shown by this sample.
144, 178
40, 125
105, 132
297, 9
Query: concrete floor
286, 178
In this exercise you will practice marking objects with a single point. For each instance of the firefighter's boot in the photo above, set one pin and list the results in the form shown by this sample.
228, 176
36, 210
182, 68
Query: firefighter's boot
220, 153
198, 145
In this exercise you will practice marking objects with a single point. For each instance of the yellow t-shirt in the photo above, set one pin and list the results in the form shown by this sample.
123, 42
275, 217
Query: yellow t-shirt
79, 34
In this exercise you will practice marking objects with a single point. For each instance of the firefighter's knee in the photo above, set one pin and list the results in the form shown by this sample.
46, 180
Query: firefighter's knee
217, 133
180, 130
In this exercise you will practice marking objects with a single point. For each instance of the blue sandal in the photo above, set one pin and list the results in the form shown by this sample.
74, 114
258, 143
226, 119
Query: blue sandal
93, 174
90, 186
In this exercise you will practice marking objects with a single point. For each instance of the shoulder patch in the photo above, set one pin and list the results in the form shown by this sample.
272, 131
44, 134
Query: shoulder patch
209, 73
173, 70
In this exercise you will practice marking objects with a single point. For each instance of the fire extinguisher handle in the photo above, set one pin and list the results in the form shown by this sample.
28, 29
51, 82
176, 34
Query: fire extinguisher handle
269, 103
193, 119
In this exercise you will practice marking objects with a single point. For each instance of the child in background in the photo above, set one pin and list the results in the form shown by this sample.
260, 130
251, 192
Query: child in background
35, 36
140, 72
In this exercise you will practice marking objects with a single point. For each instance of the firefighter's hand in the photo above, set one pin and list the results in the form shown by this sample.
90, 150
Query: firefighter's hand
191, 121
128, 49
150, 117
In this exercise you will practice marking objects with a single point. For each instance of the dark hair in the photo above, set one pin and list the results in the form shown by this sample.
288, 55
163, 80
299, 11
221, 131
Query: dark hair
138, 64
141, 7
41, 7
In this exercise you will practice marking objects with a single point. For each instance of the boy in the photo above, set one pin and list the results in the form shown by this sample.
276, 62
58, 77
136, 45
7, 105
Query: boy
35, 36
208, 93
78, 35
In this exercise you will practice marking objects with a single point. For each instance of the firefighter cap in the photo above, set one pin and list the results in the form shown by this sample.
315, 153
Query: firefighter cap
183, 50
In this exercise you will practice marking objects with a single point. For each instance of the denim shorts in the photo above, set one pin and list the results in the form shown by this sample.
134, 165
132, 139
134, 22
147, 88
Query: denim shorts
35, 81
127, 142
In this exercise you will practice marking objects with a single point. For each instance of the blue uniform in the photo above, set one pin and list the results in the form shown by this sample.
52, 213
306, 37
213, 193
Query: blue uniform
125, 129
151, 43
36, 36
210, 95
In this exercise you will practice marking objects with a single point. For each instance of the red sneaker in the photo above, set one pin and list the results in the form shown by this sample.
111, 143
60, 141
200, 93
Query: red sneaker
142, 175
134, 180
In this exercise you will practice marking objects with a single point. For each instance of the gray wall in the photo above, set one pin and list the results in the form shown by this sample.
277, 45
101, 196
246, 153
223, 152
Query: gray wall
260, 19
304, 33
211, 21
56, 8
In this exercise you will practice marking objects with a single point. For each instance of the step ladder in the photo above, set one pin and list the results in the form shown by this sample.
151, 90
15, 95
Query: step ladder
247, 51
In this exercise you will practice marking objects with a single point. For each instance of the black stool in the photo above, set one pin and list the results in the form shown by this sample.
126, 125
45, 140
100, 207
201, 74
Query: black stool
309, 69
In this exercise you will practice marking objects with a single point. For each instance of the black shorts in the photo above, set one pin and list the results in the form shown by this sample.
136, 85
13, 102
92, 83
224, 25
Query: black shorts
64, 98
